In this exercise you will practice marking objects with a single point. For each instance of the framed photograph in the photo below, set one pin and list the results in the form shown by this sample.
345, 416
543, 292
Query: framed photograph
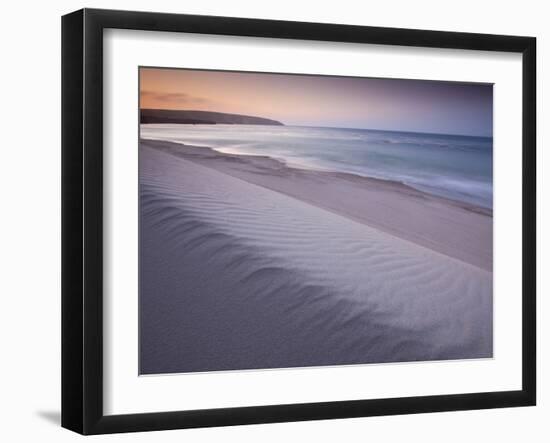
269, 221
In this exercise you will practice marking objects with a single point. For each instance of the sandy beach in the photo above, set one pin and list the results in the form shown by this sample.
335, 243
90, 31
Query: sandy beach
456, 229
248, 263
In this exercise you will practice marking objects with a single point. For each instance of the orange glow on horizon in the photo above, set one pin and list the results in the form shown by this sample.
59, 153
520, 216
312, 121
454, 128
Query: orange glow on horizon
315, 100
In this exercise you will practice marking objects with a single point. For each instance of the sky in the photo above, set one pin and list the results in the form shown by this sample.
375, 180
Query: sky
310, 100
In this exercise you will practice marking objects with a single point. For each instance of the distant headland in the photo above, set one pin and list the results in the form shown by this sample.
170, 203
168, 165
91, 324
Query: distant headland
201, 117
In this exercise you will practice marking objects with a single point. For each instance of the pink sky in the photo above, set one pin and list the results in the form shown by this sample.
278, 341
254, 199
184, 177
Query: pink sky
406, 105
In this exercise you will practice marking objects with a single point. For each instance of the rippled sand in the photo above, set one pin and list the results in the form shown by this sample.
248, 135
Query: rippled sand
234, 275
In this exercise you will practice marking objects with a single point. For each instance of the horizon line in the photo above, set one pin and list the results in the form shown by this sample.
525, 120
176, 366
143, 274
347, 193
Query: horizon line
313, 126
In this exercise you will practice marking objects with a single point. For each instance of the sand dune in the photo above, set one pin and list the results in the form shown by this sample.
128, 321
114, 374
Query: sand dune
456, 229
237, 276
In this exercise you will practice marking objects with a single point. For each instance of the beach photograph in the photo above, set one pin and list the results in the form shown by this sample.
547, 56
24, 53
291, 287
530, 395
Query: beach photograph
296, 220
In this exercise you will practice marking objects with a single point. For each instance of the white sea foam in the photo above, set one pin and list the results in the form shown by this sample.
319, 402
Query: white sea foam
451, 166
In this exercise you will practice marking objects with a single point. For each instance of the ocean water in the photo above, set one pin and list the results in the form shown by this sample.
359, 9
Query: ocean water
452, 166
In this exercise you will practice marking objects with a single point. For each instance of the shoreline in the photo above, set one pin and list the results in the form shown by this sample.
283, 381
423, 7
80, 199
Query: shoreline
457, 229
236, 275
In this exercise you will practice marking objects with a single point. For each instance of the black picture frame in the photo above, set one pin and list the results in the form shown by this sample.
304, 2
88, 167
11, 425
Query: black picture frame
82, 221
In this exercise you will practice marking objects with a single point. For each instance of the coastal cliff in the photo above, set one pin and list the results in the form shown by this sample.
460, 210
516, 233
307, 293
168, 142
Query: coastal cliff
201, 117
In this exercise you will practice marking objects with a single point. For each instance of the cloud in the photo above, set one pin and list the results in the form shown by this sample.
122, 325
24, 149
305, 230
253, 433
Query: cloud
172, 97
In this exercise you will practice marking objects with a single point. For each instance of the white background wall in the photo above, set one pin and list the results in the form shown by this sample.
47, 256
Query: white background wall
30, 219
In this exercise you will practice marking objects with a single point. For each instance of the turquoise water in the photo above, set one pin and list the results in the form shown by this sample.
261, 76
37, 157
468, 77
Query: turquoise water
453, 166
